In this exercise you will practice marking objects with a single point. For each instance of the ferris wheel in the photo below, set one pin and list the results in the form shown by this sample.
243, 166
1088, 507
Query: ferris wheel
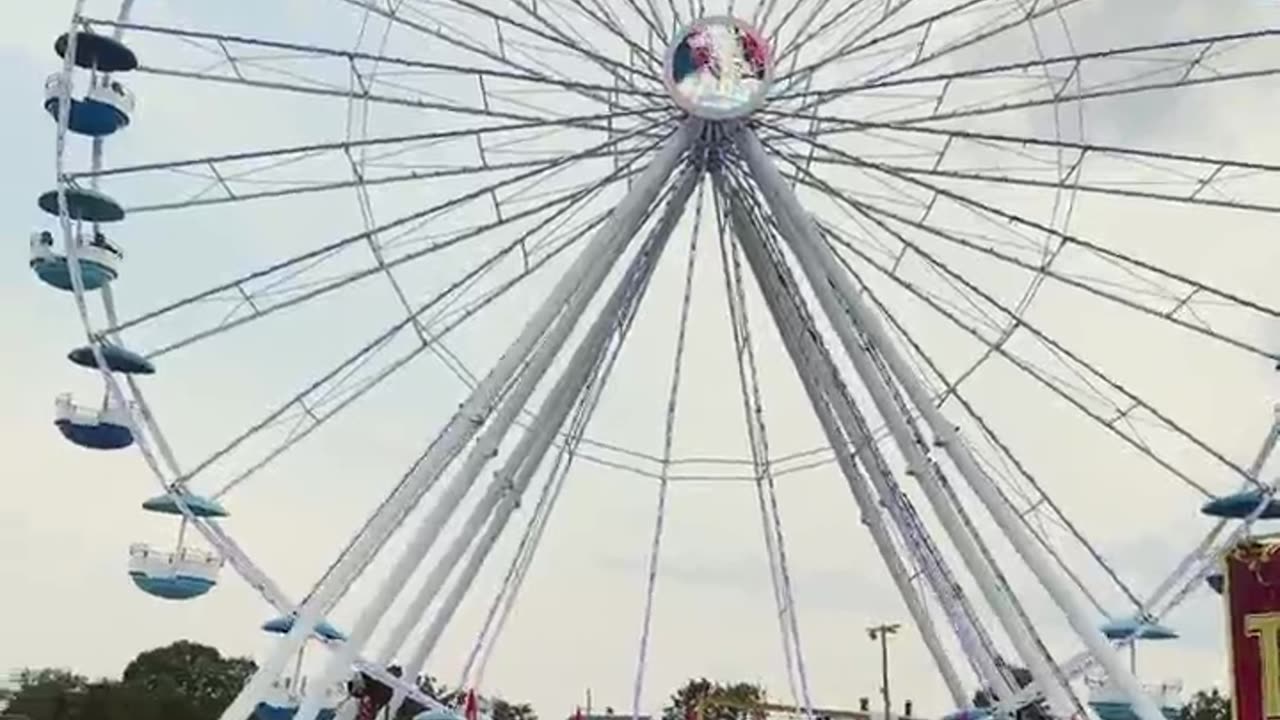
999, 269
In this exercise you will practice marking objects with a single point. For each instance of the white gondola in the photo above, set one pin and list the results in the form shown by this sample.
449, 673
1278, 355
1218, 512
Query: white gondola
106, 428
106, 107
285, 695
99, 261
1109, 702
173, 575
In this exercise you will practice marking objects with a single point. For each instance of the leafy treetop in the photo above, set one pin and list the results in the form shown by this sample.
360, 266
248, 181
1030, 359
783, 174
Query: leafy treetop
180, 681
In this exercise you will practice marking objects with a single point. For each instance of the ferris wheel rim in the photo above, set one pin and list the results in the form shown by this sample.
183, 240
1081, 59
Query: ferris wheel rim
1012, 323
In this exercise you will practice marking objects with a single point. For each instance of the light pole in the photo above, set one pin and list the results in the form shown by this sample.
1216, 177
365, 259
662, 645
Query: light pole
882, 632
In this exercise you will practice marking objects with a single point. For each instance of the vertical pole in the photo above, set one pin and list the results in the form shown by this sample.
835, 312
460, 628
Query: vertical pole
816, 377
829, 275
884, 670
797, 228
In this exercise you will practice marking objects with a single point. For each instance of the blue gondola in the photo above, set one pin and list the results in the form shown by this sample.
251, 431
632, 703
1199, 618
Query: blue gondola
172, 588
56, 272
93, 429
1143, 630
1241, 505
180, 575
436, 715
283, 624
98, 260
199, 506
98, 52
102, 436
105, 109
107, 106
265, 711
117, 358
83, 204
968, 714
88, 205
1124, 711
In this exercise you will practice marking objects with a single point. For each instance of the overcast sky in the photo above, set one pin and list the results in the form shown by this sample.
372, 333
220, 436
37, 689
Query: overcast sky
68, 515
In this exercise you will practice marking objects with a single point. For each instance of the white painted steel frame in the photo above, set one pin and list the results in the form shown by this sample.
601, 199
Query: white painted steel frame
815, 377
513, 479
826, 278
973, 637
459, 431
806, 244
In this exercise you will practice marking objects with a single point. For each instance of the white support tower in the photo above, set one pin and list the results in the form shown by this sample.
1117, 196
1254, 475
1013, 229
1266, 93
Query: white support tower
460, 430
840, 300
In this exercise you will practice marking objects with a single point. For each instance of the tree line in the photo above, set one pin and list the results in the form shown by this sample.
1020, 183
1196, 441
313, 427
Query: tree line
190, 681
180, 681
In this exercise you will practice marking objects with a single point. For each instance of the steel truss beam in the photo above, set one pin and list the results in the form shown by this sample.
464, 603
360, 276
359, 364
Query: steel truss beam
456, 435
816, 378
808, 248
513, 478
849, 315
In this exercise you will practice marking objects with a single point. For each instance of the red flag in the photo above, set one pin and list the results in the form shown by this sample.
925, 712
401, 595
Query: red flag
1253, 606
470, 710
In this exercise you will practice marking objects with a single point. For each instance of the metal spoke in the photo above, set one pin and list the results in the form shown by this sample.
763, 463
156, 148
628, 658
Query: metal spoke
1068, 239
664, 481
615, 68
399, 326
834, 125
451, 39
338, 245
1028, 368
765, 482
1090, 95
319, 420
600, 18
590, 122
1116, 191
1073, 58
418, 103
1033, 14
357, 182
857, 46
953, 390
393, 60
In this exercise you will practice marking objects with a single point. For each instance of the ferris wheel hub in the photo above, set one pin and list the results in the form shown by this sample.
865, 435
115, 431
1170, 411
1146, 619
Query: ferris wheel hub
718, 68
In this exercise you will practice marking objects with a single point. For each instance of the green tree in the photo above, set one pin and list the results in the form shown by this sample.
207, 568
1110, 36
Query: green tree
182, 681
1207, 705
715, 701
503, 710
47, 693
197, 674
500, 709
